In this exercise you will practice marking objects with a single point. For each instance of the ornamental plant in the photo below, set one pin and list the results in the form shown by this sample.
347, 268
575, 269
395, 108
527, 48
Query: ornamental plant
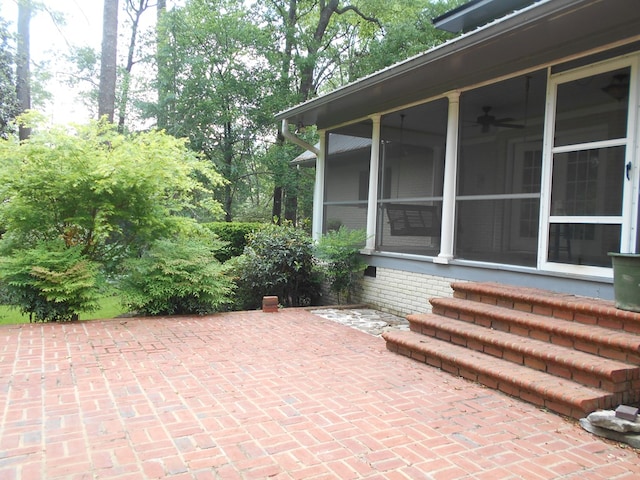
100, 197
278, 260
50, 282
176, 276
339, 253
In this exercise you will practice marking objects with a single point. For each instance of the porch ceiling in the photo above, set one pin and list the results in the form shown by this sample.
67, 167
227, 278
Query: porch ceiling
543, 33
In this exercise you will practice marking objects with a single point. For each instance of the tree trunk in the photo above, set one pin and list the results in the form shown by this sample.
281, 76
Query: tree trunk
291, 208
276, 211
162, 64
126, 81
228, 163
107, 90
23, 80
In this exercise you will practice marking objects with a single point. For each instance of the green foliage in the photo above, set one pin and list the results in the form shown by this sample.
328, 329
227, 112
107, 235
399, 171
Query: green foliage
107, 193
178, 276
8, 100
343, 264
278, 260
101, 196
214, 60
49, 282
408, 31
234, 235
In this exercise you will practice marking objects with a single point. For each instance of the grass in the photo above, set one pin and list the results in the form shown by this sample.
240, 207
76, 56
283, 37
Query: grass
109, 307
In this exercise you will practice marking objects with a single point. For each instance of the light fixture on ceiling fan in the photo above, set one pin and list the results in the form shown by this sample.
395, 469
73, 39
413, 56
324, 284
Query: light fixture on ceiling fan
619, 87
486, 121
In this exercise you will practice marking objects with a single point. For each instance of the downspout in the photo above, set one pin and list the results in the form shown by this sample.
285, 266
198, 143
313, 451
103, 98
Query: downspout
317, 219
294, 139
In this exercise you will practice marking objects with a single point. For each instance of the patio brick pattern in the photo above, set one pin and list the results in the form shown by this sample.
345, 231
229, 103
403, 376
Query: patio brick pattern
253, 395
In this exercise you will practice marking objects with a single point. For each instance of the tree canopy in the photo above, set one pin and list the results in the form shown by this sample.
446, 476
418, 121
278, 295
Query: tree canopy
101, 190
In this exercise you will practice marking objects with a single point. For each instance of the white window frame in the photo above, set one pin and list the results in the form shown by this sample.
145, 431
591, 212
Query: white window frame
629, 215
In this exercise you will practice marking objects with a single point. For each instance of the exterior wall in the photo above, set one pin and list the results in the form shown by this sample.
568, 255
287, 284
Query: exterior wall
401, 293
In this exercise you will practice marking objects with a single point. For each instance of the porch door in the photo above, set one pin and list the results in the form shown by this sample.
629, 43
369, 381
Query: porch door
589, 208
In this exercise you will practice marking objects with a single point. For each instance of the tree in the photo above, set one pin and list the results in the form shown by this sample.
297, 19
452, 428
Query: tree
23, 59
312, 39
108, 62
75, 204
220, 82
107, 193
408, 31
162, 81
134, 9
8, 100
225, 68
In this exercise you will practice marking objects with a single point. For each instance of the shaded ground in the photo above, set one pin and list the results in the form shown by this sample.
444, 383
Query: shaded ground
288, 395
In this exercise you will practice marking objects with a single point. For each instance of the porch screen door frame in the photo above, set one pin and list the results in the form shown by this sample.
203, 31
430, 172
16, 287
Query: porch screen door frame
628, 219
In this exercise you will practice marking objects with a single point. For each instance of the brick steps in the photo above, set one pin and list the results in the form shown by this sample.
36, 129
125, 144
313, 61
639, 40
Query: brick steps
572, 355
584, 368
591, 311
594, 339
556, 394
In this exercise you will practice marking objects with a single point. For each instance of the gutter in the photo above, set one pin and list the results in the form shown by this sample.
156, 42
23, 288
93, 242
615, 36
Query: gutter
297, 140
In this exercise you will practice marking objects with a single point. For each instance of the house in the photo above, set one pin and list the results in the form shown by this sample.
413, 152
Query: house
510, 153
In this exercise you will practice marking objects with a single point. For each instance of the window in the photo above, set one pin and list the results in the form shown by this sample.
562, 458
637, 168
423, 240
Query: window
588, 158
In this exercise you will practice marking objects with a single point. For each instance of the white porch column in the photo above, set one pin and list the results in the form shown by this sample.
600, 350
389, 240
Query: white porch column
372, 199
318, 190
450, 176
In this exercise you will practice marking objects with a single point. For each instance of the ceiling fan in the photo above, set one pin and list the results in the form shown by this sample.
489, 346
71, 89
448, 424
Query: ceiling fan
486, 121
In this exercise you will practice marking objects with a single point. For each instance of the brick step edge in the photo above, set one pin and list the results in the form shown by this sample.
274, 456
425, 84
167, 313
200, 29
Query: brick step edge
557, 394
584, 368
604, 342
569, 307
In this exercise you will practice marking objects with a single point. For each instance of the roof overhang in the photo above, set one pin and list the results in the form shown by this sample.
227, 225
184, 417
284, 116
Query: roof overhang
538, 35
476, 13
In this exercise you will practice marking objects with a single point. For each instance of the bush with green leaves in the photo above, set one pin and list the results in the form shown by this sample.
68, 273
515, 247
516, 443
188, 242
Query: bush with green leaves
234, 234
103, 197
177, 276
108, 193
339, 252
278, 260
50, 282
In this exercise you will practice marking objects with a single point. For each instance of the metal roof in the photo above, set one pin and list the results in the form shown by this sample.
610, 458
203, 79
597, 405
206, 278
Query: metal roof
476, 13
337, 144
540, 34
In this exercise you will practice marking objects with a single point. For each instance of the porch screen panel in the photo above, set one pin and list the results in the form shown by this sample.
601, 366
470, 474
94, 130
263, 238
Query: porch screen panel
346, 181
588, 169
592, 109
583, 243
411, 179
499, 171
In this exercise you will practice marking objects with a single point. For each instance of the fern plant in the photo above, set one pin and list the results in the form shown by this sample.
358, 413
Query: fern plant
180, 276
50, 282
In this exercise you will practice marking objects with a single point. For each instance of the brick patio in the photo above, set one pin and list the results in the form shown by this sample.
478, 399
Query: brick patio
255, 395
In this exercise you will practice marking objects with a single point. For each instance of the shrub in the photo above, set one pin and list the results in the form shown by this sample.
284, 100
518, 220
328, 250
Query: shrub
109, 193
278, 260
174, 277
234, 234
343, 265
50, 282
